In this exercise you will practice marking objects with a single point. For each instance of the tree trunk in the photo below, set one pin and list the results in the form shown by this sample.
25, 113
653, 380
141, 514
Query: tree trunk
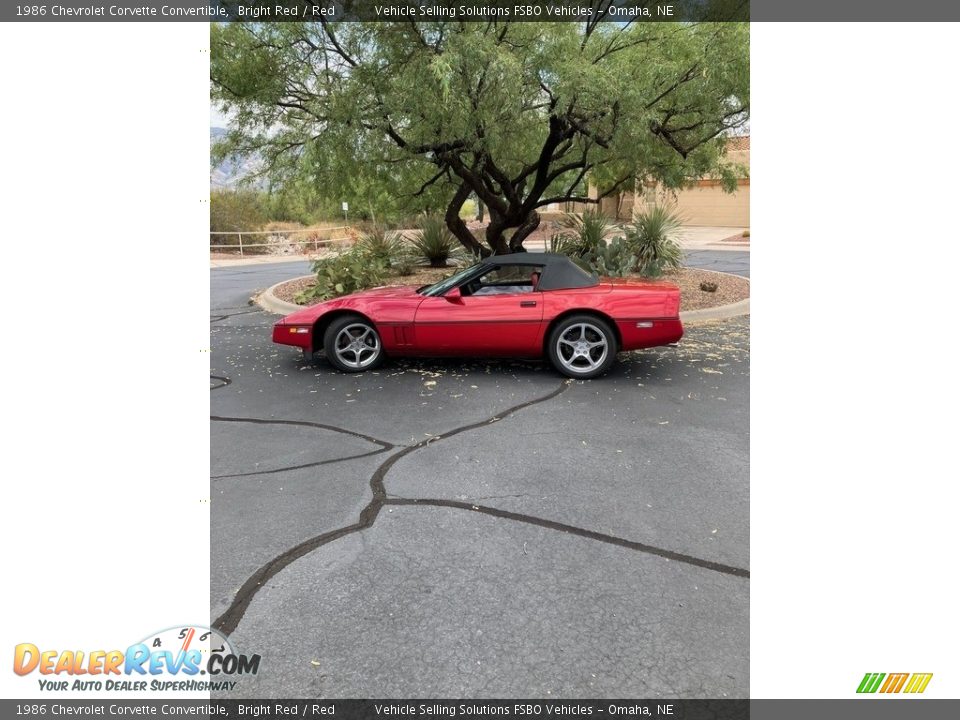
479, 210
495, 238
531, 223
458, 227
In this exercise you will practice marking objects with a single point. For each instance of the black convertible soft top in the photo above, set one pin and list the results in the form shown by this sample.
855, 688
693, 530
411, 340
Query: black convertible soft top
559, 271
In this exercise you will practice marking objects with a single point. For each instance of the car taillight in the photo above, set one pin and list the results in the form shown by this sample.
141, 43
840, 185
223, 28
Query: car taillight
671, 306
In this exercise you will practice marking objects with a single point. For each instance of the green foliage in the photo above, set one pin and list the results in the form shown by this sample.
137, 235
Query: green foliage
390, 247
433, 241
648, 246
381, 244
404, 264
348, 272
397, 117
235, 211
613, 259
652, 238
582, 233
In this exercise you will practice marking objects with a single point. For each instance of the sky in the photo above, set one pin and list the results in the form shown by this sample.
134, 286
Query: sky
217, 118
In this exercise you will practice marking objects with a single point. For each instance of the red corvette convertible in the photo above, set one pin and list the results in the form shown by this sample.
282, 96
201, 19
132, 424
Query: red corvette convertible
521, 305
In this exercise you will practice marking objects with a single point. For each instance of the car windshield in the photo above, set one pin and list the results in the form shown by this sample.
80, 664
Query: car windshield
441, 287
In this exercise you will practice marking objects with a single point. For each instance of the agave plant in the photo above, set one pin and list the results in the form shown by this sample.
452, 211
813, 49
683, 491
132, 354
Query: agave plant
652, 238
581, 234
381, 244
434, 242
565, 245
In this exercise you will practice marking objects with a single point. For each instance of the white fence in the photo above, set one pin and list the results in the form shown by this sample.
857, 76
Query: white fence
282, 246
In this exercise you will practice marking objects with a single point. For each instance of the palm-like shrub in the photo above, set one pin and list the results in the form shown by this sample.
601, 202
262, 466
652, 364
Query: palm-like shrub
434, 242
582, 234
564, 244
652, 239
381, 244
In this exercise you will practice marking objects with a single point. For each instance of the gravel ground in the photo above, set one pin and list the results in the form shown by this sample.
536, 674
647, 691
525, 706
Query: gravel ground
730, 287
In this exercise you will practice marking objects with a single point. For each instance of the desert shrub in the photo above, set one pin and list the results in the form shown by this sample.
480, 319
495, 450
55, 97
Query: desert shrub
708, 286
433, 241
652, 238
382, 244
584, 239
404, 264
236, 211
565, 245
232, 212
583, 233
348, 272
613, 259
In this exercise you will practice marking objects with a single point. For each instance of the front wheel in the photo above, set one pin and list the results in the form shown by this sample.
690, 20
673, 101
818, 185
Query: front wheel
352, 344
582, 347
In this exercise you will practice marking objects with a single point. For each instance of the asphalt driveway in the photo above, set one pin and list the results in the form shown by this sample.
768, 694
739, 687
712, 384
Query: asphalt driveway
479, 529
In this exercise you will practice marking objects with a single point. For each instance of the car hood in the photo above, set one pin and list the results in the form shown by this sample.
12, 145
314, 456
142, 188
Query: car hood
312, 312
384, 292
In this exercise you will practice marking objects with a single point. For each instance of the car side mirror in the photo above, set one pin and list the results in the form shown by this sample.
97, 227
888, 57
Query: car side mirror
453, 295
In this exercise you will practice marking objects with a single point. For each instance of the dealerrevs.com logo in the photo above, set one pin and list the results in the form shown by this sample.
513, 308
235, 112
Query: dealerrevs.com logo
894, 683
186, 658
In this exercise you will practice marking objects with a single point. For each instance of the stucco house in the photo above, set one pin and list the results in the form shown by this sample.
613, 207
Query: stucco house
704, 204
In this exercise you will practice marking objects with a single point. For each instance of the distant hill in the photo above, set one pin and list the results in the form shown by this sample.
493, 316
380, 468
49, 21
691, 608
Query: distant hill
229, 173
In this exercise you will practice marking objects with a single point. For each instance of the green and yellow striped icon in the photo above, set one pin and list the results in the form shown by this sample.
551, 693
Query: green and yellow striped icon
894, 682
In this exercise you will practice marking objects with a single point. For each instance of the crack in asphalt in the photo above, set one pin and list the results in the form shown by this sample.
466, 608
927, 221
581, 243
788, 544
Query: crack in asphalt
306, 423
230, 619
384, 445
218, 318
287, 468
574, 530
224, 381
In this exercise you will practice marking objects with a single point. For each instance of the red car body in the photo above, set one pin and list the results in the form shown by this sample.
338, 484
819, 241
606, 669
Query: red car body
514, 324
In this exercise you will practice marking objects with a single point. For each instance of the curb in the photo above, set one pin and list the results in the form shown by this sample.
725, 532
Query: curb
258, 260
721, 312
272, 304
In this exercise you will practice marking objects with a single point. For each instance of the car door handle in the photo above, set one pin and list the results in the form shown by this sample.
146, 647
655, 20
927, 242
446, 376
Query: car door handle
528, 303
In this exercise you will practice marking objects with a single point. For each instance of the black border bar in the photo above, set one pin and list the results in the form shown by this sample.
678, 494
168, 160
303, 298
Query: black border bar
874, 708
478, 10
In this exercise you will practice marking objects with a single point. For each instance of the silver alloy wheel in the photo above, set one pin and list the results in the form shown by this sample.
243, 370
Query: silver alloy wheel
357, 345
582, 348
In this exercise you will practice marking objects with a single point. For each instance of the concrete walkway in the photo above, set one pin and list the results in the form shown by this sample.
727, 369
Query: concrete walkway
712, 238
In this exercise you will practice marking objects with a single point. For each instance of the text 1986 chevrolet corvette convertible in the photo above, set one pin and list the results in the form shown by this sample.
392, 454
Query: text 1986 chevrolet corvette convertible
519, 305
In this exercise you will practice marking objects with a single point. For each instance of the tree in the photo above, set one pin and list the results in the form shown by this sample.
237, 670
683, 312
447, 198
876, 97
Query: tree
520, 115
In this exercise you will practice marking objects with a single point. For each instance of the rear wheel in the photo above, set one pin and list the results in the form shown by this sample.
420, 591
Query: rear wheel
352, 344
582, 346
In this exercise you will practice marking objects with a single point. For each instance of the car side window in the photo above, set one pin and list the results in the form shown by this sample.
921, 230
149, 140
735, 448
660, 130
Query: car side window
505, 280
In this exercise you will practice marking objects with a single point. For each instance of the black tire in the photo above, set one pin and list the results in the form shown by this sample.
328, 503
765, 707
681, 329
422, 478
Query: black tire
578, 334
352, 344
